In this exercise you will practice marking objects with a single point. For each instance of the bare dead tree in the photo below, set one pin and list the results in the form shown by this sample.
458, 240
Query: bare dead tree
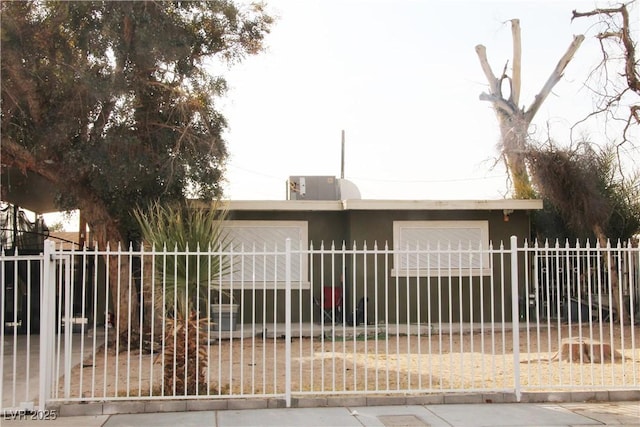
514, 121
618, 60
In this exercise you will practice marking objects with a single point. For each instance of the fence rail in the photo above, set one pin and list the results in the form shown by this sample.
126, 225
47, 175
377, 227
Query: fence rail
114, 324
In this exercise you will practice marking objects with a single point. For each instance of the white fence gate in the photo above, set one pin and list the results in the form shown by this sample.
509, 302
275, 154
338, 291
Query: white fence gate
318, 321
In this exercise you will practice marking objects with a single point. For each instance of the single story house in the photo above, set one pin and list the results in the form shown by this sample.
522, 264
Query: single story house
394, 285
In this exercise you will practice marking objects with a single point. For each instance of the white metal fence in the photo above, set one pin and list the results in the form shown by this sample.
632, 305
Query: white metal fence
96, 325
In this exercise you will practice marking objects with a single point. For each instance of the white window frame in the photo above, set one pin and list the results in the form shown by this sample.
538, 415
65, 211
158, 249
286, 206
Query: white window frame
238, 241
427, 235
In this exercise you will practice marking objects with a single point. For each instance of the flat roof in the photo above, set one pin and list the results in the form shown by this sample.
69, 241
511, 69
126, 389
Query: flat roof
352, 205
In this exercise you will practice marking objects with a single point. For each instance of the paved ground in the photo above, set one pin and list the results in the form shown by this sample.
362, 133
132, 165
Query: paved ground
445, 415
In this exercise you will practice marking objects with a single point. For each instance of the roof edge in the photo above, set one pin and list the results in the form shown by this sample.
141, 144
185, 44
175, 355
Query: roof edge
359, 204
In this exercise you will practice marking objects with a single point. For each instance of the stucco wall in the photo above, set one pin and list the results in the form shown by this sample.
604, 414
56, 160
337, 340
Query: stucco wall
430, 299
426, 301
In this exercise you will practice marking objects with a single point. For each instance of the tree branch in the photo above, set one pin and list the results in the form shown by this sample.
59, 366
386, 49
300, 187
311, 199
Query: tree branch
630, 58
598, 11
14, 154
621, 32
517, 62
633, 80
554, 78
499, 103
494, 87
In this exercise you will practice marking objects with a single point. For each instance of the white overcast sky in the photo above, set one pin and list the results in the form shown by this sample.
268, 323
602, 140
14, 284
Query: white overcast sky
402, 79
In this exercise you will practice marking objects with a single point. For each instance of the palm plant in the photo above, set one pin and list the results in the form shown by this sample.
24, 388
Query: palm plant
185, 276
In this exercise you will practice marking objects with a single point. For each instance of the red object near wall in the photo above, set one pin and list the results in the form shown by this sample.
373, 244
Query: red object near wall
332, 297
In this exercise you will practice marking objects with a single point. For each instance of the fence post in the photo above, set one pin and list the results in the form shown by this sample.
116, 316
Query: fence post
515, 317
47, 323
287, 322
68, 326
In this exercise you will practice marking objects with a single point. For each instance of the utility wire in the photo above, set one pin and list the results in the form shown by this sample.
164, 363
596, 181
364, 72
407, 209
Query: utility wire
426, 181
417, 181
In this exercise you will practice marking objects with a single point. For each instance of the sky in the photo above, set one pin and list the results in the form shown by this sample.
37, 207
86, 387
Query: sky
402, 79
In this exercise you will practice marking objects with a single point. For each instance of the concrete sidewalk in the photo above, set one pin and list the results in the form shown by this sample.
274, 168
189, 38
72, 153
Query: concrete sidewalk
441, 415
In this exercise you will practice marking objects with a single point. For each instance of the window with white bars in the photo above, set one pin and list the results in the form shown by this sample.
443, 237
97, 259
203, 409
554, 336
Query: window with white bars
258, 253
437, 248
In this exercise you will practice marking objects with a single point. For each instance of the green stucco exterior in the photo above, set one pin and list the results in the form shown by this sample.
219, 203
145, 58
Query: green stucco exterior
424, 300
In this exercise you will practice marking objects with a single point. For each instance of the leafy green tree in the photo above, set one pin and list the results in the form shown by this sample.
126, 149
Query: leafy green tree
114, 102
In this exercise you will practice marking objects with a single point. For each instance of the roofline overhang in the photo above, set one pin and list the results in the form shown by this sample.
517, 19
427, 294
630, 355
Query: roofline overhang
359, 205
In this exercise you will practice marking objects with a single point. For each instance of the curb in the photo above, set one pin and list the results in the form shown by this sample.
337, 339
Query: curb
217, 404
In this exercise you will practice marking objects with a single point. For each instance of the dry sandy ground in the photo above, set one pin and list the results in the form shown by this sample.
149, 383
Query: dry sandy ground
433, 362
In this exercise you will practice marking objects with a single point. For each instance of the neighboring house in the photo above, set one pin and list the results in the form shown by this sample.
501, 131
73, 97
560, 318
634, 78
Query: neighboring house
400, 224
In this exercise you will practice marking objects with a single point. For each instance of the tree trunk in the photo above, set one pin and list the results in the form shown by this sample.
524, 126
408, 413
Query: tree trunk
122, 286
513, 132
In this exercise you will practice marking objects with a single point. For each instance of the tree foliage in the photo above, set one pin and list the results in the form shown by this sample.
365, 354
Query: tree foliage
583, 191
114, 102
185, 280
582, 185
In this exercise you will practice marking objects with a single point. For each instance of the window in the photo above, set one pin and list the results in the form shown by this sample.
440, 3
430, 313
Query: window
432, 248
259, 253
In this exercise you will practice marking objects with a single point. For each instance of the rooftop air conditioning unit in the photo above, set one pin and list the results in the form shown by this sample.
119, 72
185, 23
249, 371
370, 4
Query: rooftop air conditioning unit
312, 188
320, 188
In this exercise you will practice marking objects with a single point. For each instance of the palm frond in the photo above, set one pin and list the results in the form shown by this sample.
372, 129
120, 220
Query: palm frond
191, 240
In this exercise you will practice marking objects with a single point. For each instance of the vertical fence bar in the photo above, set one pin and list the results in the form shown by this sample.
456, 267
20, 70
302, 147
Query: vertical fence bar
28, 359
2, 321
287, 320
83, 308
515, 317
15, 324
130, 315
47, 324
633, 285
503, 305
68, 326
